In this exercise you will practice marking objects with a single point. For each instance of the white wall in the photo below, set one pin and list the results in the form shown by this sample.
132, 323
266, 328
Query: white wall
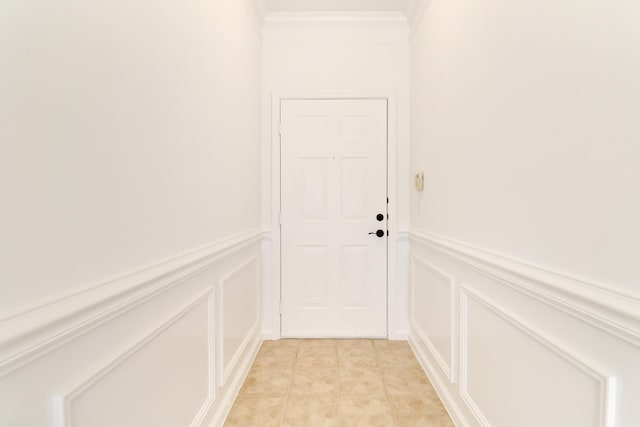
123, 124
353, 55
525, 124
130, 182
525, 294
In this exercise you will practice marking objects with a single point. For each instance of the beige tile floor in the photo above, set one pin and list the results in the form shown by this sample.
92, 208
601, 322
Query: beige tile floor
318, 383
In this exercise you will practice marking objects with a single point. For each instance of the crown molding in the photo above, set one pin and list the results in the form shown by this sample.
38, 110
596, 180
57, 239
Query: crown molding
336, 20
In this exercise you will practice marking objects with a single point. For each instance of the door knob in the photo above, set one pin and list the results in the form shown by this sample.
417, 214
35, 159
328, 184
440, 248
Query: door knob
379, 233
380, 217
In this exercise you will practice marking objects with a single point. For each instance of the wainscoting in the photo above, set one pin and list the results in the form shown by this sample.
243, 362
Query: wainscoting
165, 346
510, 344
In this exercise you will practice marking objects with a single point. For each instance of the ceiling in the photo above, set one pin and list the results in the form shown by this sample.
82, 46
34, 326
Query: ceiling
337, 5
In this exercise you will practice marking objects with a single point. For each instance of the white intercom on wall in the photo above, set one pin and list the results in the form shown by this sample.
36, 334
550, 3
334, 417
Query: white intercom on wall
420, 181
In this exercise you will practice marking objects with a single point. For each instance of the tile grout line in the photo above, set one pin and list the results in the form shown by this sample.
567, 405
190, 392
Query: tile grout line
338, 389
386, 392
286, 398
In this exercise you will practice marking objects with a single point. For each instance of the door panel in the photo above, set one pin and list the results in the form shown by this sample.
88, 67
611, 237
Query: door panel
333, 184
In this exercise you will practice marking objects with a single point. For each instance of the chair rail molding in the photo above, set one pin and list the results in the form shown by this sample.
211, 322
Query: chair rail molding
32, 332
604, 307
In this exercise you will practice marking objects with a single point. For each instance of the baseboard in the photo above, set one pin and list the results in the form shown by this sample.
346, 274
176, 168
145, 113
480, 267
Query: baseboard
230, 393
268, 335
401, 335
450, 404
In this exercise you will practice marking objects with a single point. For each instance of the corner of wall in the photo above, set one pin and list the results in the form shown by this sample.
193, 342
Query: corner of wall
257, 9
415, 10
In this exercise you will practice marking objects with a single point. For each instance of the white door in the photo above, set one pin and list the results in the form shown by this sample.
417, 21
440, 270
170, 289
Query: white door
333, 197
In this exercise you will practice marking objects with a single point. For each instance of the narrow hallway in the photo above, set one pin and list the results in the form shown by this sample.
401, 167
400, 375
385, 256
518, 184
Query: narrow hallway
184, 183
345, 382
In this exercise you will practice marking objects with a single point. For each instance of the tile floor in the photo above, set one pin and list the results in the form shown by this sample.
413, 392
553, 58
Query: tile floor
317, 383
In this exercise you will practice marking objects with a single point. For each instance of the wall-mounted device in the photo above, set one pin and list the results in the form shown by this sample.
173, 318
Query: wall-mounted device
419, 181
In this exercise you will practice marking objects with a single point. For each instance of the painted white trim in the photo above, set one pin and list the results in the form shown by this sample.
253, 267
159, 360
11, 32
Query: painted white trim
392, 224
275, 216
452, 407
266, 283
227, 399
399, 335
606, 308
392, 144
211, 365
607, 384
335, 20
32, 332
225, 368
62, 401
233, 363
402, 235
448, 367
338, 36
399, 329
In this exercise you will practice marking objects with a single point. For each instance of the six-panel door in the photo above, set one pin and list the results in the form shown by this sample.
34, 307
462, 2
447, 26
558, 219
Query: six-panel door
333, 187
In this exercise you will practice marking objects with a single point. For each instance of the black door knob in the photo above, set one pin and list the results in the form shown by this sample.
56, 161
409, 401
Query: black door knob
379, 233
380, 217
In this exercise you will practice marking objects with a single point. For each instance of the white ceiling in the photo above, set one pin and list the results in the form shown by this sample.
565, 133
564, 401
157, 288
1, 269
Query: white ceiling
336, 5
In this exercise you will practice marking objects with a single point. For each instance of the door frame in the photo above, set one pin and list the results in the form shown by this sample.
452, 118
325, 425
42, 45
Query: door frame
392, 193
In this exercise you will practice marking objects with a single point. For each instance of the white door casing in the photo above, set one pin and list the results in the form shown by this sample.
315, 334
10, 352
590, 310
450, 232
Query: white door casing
333, 185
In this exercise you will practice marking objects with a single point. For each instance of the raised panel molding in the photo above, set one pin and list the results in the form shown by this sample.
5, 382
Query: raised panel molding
63, 401
213, 356
606, 308
226, 367
448, 367
33, 332
606, 384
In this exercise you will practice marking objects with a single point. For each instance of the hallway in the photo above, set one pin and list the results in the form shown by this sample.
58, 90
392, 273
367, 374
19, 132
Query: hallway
318, 383
185, 183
